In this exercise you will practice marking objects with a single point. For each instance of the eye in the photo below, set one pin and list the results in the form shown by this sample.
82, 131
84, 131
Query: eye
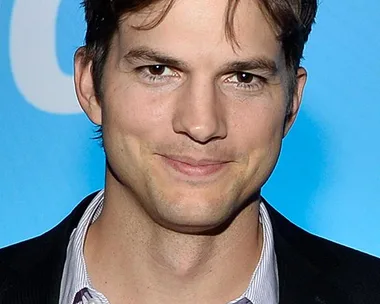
156, 73
157, 70
244, 77
246, 81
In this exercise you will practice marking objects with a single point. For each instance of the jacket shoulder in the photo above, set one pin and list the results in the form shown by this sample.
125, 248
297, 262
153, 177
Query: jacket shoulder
337, 268
28, 265
34, 267
24, 255
354, 272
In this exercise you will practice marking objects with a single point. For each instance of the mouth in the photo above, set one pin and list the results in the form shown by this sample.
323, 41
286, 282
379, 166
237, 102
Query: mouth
194, 167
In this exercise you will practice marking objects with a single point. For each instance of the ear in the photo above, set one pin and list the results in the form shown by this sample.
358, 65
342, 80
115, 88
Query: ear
301, 78
84, 87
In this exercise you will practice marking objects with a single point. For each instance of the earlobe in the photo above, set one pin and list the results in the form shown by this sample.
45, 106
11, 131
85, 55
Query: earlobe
84, 87
301, 78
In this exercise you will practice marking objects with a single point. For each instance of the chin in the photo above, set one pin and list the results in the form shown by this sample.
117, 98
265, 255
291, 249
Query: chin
203, 227
195, 216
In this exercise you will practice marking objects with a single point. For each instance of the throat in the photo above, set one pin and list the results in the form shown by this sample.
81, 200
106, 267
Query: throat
150, 264
183, 256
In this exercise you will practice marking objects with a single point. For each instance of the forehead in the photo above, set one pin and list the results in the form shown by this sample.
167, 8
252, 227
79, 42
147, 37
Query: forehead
198, 27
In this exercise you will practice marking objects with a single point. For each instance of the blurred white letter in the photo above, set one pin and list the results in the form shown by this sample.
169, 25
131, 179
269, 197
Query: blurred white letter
33, 57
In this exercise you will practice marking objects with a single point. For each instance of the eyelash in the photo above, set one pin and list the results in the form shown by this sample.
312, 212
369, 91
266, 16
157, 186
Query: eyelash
258, 80
144, 72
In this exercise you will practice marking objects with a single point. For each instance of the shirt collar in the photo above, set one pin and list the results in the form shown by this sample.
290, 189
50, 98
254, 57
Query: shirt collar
263, 287
75, 277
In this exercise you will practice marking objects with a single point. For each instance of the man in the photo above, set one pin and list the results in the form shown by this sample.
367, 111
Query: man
193, 99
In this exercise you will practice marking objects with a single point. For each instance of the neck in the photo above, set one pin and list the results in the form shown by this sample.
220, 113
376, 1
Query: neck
131, 259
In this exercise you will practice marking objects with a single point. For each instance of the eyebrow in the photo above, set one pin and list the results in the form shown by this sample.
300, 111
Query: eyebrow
264, 64
143, 53
257, 63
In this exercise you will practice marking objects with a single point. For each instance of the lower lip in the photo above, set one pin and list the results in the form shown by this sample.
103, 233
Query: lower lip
194, 171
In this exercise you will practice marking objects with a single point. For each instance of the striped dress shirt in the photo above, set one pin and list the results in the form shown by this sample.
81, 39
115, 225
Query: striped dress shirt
76, 287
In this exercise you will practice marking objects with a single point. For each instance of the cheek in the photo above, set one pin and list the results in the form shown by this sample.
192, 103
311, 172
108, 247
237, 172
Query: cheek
132, 119
258, 136
131, 111
258, 125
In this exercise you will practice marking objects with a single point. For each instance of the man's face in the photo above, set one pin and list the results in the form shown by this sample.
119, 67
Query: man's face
192, 124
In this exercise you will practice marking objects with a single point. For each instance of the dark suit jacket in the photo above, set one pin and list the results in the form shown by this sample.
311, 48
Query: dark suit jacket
311, 270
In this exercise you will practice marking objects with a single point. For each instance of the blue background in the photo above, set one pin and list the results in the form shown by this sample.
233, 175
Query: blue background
328, 176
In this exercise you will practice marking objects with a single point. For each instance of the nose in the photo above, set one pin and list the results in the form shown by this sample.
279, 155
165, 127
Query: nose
199, 113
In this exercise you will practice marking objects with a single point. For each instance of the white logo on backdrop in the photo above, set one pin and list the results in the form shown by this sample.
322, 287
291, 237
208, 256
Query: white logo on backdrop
33, 57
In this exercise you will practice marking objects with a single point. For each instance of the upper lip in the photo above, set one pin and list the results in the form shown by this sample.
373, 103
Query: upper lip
192, 161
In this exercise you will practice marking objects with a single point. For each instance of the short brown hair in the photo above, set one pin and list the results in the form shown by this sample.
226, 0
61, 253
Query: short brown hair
291, 20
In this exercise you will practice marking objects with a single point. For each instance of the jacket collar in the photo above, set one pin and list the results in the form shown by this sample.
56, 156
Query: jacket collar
304, 263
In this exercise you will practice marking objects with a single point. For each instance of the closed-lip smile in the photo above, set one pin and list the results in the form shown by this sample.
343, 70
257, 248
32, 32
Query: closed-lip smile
196, 167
